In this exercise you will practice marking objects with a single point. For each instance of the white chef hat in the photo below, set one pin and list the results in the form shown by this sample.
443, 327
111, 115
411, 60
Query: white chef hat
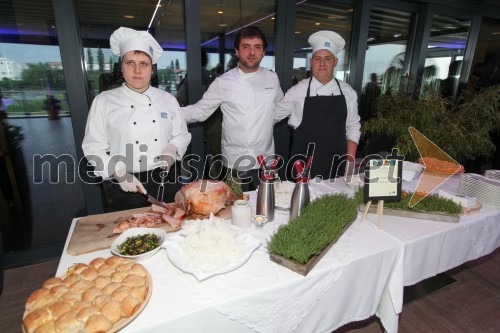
124, 40
326, 40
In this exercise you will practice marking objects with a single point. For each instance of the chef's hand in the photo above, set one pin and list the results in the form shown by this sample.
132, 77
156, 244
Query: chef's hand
128, 182
167, 158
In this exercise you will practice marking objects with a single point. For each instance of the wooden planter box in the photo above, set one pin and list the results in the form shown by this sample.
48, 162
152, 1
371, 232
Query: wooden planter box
306, 268
433, 216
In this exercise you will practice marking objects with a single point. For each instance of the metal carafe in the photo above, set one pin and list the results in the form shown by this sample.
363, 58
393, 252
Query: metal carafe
300, 197
265, 195
300, 194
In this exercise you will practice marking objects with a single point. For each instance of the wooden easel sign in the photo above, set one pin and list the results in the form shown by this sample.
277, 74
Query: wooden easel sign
382, 183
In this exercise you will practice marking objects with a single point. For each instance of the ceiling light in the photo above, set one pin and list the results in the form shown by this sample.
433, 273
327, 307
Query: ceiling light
272, 18
129, 16
317, 23
158, 5
220, 12
222, 25
298, 32
496, 33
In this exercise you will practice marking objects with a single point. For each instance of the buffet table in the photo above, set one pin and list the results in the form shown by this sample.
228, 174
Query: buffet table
363, 274
360, 276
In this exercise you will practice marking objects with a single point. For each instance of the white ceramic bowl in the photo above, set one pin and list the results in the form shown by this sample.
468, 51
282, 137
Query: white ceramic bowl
136, 232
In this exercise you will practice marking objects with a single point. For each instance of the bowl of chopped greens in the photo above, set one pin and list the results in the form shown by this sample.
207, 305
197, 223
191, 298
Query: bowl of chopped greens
138, 243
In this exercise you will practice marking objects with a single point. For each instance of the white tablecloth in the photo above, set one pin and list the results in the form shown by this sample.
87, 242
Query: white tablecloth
434, 247
360, 276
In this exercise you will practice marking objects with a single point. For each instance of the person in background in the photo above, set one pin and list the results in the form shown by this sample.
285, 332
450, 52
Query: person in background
323, 110
247, 96
136, 124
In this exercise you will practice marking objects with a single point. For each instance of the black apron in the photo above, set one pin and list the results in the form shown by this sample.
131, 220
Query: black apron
323, 122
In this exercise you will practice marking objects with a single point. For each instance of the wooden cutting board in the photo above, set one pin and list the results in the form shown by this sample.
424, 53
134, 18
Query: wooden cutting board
95, 232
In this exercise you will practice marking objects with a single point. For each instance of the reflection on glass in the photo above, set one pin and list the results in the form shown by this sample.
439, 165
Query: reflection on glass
385, 56
313, 16
444, 55
40, 189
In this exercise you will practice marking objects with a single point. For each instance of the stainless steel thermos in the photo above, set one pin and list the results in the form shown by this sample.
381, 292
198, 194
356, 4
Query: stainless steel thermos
265, 195
300, 198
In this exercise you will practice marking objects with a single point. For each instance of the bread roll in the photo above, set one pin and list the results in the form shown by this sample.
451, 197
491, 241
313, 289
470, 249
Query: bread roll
101, 299
111, 287
81, 285
125, 266
80, 305
90, 273
72, 296
111, 310
139, 292
59, 308
97, 262
101, 281
68, 323
115, 261
59, 290
48, 327
44, 301
105, 270
129, 305
79, 268
35, 296
98, 323
87, 312
69, 280
121, 293
91, 293
138, 270
133, 280
35, 319
55, 281
118, 276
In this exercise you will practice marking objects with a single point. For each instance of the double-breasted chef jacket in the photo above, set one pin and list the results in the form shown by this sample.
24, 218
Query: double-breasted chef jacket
247, 102
292, 106
133, 127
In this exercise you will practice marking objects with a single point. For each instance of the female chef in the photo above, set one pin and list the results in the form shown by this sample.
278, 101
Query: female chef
135, 132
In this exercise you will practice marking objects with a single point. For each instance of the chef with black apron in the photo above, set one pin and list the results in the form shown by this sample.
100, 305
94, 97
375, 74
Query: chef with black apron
323, 110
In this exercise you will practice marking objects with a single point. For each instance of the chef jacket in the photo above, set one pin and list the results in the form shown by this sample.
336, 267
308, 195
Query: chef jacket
247, 101
135, 126
292, 105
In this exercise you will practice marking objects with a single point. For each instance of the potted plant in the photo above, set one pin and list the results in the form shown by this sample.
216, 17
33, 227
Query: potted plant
461, 129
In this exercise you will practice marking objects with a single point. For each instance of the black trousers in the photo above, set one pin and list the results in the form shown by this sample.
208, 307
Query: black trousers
115, 199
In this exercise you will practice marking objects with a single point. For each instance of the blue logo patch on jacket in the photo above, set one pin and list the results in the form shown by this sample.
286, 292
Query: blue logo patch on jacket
327, 44
164, 115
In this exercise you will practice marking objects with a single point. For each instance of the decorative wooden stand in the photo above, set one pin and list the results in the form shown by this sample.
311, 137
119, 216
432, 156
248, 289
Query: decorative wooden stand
380, 212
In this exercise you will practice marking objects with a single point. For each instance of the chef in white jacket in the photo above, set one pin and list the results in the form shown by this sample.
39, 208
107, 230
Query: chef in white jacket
246, 95
323, 110
135, 132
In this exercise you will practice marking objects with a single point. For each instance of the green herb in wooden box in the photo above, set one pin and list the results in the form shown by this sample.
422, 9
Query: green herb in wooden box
431, 207
301, 243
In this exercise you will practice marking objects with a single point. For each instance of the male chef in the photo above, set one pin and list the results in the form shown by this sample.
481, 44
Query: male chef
323, 110
246, 95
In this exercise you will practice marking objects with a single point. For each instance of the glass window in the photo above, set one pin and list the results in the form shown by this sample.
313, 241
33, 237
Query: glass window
385, 55
313, 16
445, 52
40, 192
